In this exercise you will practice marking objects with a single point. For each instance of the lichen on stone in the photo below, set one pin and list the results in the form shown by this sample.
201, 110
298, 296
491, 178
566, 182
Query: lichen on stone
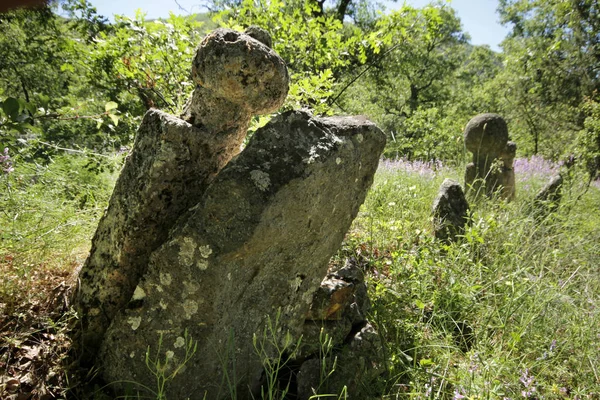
202, 264
138, 294
186, 251
205, 251
190, 307
296, 283
261, 179
165, 278
189, 288
134, 322
179, 342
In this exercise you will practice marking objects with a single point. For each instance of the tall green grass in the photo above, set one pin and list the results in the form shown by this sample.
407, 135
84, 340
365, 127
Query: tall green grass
510, 311
47, 216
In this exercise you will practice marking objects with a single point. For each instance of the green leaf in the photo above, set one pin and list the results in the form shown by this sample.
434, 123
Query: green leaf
44, 100
11, 107
114, 119
111, 105
425, 362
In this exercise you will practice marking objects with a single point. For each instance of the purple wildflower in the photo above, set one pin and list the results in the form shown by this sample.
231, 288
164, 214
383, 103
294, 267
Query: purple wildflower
474, 366
5, 163
535, 167
458, 395
528, 381
422, 168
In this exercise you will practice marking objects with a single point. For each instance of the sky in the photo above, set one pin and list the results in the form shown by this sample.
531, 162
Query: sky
478, 17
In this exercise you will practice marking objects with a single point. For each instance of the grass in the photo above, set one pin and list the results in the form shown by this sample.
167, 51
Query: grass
510, 311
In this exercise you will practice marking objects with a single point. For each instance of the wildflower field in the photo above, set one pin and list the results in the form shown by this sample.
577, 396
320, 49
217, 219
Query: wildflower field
510, 311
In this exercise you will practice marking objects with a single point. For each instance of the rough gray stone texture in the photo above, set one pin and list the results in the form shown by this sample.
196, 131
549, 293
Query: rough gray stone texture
339, 313
357, 364
548, 198
450, 211
237, 76
338, 306
256, 244
260, 34
171, 164
486, 136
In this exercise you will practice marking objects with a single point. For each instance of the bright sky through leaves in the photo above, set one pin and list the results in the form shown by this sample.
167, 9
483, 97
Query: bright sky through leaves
478, 17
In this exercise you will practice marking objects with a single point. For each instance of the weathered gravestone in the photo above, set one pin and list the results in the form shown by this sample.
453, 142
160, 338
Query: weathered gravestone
171, 164
486, 136
191, 253
548, 198
256, 244
450, 211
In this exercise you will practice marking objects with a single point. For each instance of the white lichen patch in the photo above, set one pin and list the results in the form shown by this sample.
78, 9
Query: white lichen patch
132, 354
165, 278
159, 289
138, 293
190, 307
295, 283
169, 354
179, 342
134, 322
338, 161
260, 179
307, 296
189, 288
163, 304
205, 251
202, 264
229, 276
186, 251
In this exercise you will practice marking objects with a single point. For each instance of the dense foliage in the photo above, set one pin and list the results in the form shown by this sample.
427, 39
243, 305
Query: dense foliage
411, 70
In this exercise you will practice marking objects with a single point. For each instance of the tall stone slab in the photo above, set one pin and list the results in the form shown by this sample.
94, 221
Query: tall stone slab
486, 136
256, 246
450, 212
171, 164
548, 198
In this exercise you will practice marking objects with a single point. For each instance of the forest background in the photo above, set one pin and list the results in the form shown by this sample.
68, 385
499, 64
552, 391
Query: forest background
82, 82
74, 87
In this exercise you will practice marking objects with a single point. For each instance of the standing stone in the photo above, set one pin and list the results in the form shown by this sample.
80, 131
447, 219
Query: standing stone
352, 356
171, 165
450, 211
507, 180
486, 136
548, 198
256, 245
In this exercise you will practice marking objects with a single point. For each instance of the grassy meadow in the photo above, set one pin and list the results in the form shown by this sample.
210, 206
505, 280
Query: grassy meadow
510, 311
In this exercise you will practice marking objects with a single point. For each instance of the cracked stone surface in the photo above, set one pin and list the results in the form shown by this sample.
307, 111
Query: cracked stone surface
450, 211
255, 247
172, 163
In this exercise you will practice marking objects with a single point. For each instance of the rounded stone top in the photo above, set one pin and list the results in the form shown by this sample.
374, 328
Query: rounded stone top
510, 150
259, 34
486, 133
241, 69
